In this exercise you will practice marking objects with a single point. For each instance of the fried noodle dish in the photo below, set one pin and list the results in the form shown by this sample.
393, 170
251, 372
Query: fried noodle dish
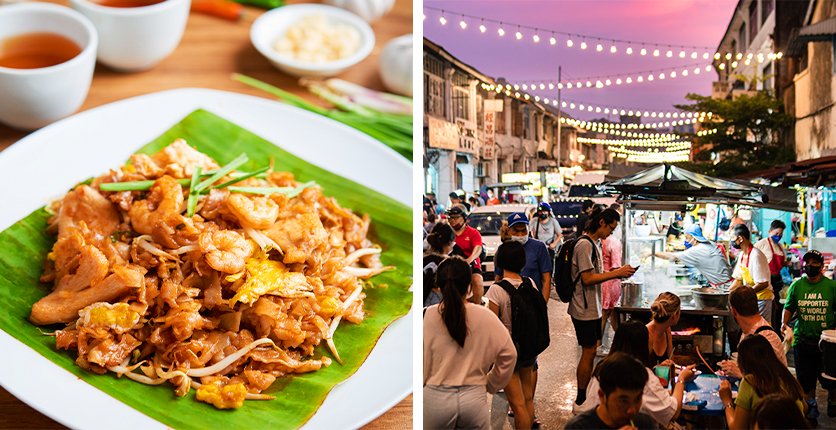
173, 269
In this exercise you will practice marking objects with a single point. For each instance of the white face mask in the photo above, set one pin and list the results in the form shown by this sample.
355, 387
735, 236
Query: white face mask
520, 239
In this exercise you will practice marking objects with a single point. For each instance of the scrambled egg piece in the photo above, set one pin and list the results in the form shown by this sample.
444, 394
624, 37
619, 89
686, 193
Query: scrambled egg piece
270, 277
118, 317
222, 397
328, 305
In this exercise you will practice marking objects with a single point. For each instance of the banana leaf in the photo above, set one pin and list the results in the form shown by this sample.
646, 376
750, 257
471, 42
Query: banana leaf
24, 245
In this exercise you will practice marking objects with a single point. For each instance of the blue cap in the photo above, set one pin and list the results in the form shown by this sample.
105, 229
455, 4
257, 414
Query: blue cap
516, 218
543, 206
696, 231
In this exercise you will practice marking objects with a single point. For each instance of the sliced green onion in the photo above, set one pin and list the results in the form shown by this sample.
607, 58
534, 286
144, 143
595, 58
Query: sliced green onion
288, 191
134, 185
223, 171
239, 178
146, 185
193, 192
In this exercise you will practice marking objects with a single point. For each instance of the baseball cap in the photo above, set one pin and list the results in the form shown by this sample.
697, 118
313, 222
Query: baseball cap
543, 206
813, 255
516, 218
696, 231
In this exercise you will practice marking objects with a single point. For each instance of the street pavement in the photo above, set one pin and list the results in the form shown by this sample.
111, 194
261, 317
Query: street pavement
556, 387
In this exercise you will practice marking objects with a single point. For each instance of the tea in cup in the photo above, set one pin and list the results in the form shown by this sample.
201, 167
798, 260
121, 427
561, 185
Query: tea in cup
47, 57
135, 35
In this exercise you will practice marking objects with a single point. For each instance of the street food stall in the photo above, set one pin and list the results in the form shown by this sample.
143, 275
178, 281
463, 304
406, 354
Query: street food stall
705, 314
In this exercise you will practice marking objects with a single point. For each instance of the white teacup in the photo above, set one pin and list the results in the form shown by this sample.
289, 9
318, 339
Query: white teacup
136, 38
32, 98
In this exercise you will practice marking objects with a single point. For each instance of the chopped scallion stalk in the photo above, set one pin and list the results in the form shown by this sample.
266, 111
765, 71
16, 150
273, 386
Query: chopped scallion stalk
239, 178
223, 171
193, 192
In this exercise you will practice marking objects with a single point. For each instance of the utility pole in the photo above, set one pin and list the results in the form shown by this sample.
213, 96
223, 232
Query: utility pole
559, 70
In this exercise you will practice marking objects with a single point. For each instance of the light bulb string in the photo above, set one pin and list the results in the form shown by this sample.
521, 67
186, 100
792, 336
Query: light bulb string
618, 75
582, 105
564, 33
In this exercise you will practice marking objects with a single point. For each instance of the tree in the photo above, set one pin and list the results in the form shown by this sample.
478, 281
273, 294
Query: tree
748, 137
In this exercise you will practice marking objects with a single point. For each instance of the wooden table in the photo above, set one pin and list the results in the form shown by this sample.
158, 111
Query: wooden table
211, 50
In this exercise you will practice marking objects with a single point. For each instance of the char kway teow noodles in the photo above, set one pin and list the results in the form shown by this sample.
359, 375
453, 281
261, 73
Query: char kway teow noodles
174, 270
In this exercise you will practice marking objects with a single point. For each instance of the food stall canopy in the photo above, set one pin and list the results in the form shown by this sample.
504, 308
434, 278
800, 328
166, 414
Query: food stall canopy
667, 187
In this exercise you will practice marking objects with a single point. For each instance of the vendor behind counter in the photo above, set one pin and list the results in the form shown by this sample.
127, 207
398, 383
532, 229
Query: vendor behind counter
703, 255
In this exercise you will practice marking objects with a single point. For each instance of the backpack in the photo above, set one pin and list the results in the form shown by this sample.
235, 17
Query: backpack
529, 319
564, 283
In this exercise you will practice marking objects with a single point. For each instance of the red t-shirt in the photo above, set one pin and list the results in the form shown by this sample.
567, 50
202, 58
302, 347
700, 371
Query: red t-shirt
470, 238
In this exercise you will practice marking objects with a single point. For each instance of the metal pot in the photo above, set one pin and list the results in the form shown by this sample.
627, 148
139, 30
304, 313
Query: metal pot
711, 298
631, 294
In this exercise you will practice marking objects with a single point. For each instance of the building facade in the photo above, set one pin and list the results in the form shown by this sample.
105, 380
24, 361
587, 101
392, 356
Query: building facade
473, 134
815, 82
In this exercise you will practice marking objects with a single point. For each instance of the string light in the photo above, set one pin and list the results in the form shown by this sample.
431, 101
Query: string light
599, 128
608, 80
669, 50
607, 110
646, 143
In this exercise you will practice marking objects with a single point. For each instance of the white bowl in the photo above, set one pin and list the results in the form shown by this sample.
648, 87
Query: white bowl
272, 25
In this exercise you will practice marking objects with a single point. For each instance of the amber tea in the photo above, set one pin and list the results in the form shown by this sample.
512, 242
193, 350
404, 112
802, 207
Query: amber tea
36, 50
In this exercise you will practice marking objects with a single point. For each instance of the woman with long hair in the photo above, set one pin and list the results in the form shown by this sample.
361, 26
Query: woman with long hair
763, 375
442, 243
467, 352
631, 338
664, 314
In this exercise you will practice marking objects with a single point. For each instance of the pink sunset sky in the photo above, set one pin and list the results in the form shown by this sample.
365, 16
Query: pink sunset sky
676, 22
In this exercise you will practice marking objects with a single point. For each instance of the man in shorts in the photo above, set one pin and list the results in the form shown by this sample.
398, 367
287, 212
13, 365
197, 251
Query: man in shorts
585, 305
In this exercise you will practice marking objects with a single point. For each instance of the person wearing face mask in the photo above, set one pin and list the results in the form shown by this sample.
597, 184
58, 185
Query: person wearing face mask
538, 266
470, 241
812, 298
538, 263
702, 255
777, 259
752, 269
547, 229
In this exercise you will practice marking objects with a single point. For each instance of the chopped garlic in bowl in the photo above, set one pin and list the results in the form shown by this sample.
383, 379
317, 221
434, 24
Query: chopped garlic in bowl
314, 39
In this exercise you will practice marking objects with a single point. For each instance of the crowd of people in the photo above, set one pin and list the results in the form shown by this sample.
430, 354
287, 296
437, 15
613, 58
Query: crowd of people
478, 342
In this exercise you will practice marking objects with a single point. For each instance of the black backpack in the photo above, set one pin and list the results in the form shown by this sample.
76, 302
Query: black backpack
529, 319
564, 283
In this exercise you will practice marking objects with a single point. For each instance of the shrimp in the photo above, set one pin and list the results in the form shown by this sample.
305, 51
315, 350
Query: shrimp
164, 202
226, 251
259, 212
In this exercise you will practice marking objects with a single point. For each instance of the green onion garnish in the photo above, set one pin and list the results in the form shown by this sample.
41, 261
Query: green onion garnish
223, 171
193, 192
146, 185
240, 178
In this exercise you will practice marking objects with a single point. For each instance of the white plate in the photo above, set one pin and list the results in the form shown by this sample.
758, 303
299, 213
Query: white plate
57, 157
